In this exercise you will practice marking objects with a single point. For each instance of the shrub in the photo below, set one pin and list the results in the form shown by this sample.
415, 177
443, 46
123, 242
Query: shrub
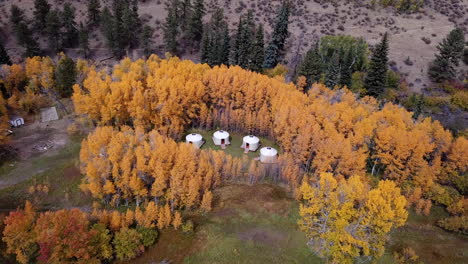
406, 256
31, 103
457, 224
188, 227
357, 82
128, 244
444, 195
460, 99
148, 235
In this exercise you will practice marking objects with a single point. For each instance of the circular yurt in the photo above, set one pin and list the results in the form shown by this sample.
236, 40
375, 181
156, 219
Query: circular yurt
268, 155
250, 143
221, 138
195, 139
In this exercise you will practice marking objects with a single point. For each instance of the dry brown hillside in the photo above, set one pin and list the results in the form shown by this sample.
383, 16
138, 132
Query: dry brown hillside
412, 35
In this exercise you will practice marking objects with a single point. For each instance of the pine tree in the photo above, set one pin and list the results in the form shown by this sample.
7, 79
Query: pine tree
186, 10
41, 10
120, 33
258, 51
311, 67
171, 28
83, 39
147, 40
242, 51
332, 74
279, 36
450, 52
70, 33
94, 12
24, 37
377, 75
107, 27
135, 25
346, 67
53, 30
195, 26
16, 15
65, 75
205, 47
4, 58
215, 41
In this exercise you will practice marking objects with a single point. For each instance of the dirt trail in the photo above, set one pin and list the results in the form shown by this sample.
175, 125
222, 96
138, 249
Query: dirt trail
30, 142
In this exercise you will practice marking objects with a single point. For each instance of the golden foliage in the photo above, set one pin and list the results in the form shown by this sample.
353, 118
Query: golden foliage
345, 219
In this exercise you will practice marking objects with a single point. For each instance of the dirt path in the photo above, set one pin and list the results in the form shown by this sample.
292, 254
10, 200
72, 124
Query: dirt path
39, 148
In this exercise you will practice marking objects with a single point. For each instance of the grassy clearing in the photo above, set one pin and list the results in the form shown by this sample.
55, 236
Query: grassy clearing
252, 224
432, 244
234, 149
58, 171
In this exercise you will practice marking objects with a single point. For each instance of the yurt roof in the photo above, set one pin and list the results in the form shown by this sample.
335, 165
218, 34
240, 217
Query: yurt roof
251, 139
194, 137
221, 134
268, 151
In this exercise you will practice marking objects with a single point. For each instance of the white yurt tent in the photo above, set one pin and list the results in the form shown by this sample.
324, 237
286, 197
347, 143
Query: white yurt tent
250, 143
221, 138
195, 139
268, 155
16, 122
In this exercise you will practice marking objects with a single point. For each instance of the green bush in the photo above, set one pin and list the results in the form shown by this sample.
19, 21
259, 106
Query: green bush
188, 227
460, 99
444, 195
457, 224
148, 235
128, 244
357, 82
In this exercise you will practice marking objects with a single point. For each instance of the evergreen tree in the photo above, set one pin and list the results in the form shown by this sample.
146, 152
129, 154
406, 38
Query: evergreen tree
4, 58
53, 30
205, 49
24, 37
171, 28
135, 24
215, 41
41, 10
70, 32
332, 74
107, 27
311, 67
377, 74
450, 52
185, 14
120, 32
83, 38
16, 15
279, 36
242, 51
346, 67
195, 26
258, 51
94, 12
147, 40
65, 76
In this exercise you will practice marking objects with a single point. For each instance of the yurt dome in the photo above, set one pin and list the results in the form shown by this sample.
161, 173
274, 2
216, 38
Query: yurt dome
250, 143
195, 139
268, 155
221, 137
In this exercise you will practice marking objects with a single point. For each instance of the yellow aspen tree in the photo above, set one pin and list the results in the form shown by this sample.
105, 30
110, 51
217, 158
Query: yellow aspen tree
177, 221
115, 221
206, 203
151, 214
